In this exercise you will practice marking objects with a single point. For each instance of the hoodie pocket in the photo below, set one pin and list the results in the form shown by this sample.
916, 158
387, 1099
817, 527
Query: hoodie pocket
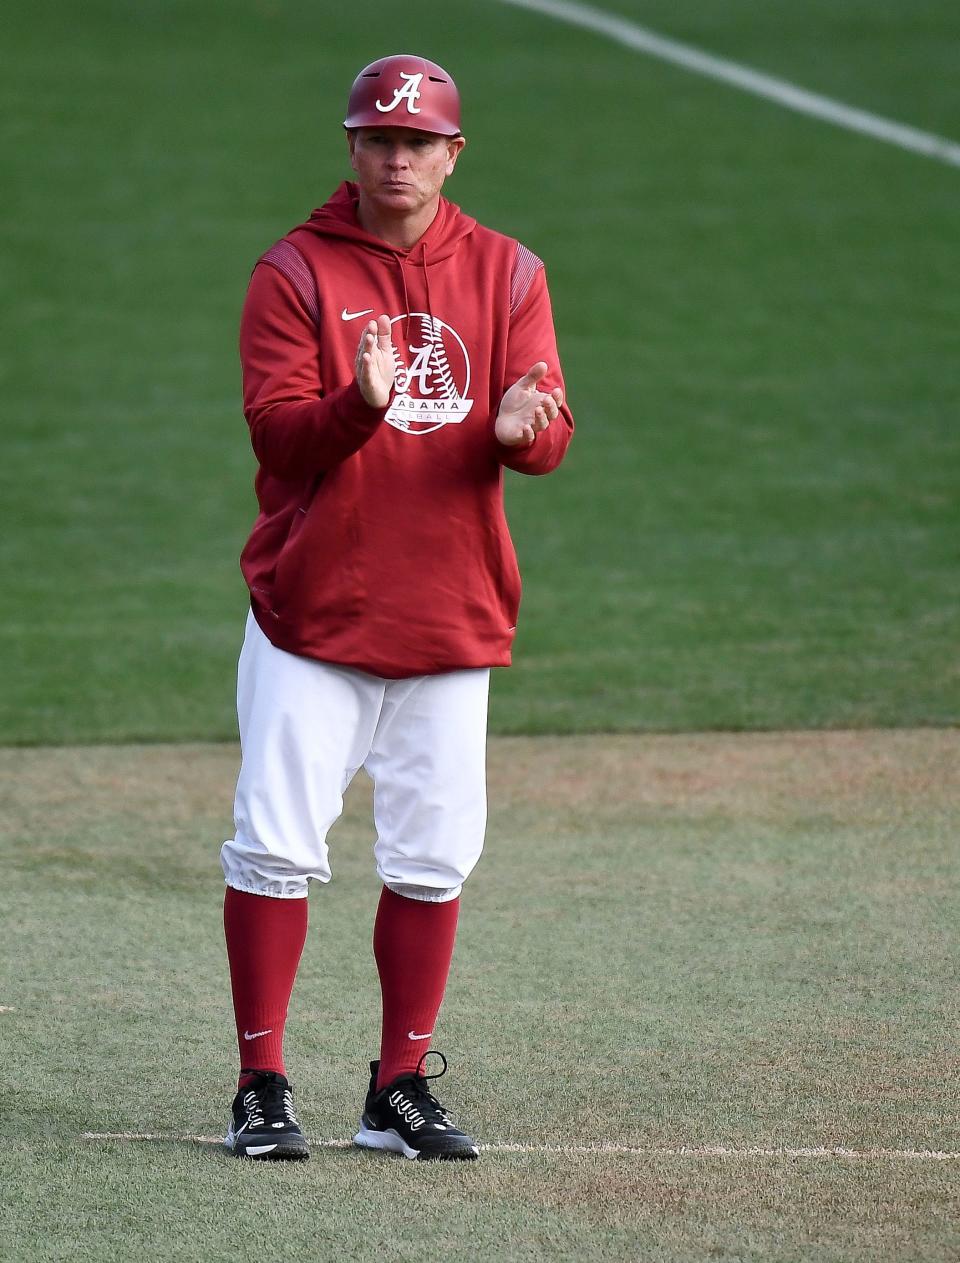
318, 576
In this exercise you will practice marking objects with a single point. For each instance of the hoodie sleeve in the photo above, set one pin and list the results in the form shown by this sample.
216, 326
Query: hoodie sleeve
297, 430
532, 338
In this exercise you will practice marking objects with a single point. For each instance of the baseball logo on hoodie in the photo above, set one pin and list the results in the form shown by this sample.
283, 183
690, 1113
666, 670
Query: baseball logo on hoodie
432, 375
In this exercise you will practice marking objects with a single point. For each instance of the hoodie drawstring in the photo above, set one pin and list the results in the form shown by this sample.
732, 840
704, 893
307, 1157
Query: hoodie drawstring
406, 299
406, 296
426, 282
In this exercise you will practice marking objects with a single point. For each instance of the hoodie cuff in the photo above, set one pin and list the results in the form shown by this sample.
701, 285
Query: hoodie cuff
356, 407
507, 453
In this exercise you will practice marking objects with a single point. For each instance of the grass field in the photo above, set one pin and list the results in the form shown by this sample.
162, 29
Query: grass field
743, 941
758, 316
699, 940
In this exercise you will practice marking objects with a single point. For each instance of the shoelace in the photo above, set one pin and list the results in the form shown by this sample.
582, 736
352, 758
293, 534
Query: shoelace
254, 1113
288, 1107
422, 1096
258, 1104
431, 1052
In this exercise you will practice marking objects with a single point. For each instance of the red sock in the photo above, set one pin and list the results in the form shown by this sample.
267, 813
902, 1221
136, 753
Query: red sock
265, 938
413, 946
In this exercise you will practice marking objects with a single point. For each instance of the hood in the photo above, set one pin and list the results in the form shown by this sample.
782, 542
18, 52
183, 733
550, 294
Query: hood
338, 218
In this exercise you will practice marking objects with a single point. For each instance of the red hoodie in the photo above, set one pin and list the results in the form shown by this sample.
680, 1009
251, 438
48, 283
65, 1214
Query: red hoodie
381, 542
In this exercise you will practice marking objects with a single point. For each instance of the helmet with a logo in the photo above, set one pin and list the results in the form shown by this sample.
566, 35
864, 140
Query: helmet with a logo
405, 91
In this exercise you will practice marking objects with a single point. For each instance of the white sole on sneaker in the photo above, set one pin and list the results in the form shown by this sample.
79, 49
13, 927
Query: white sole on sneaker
231, 1139
388, 1139
392, 1142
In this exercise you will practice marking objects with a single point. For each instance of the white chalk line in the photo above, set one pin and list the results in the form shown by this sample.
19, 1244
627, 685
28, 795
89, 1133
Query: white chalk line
641, 39
681, 1151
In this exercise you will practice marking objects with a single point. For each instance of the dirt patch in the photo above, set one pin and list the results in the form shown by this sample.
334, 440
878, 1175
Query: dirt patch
753, 774
47, 792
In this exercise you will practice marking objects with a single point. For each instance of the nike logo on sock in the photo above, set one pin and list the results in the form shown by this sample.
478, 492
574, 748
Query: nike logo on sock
414, 1035
257, 1034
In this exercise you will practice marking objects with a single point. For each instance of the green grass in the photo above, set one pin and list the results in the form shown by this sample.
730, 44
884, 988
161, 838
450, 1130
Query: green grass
687, 940
739, 941
755, 528
870, 48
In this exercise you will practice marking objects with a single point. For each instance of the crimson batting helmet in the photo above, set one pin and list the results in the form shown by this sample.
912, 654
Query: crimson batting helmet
405, 91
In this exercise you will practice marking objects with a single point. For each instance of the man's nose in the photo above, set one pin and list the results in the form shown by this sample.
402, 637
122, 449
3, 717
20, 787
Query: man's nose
397, 157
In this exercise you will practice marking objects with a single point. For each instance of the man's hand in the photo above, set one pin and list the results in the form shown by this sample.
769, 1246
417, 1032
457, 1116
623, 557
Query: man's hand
375, 364
525, 410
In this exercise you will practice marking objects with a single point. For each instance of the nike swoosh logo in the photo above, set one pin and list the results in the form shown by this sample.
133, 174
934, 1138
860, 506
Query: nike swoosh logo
414, 1035
257, 1034
354, 315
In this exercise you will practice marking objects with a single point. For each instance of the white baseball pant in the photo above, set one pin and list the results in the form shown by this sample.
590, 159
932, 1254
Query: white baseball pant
307, 727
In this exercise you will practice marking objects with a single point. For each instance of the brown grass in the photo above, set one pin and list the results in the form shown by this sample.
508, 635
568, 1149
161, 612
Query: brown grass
856, 775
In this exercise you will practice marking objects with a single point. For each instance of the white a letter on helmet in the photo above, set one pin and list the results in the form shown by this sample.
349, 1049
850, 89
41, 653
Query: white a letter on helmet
410, 92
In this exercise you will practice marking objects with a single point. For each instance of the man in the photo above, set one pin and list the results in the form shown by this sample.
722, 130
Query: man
396, 357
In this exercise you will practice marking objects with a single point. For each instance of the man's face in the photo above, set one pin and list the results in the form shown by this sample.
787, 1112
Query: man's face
400, 170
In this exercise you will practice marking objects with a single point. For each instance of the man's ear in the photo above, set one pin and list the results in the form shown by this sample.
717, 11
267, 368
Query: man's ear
455, 145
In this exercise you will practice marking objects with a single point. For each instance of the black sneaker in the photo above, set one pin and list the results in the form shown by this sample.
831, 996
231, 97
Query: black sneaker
264, 1125
405, 1117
